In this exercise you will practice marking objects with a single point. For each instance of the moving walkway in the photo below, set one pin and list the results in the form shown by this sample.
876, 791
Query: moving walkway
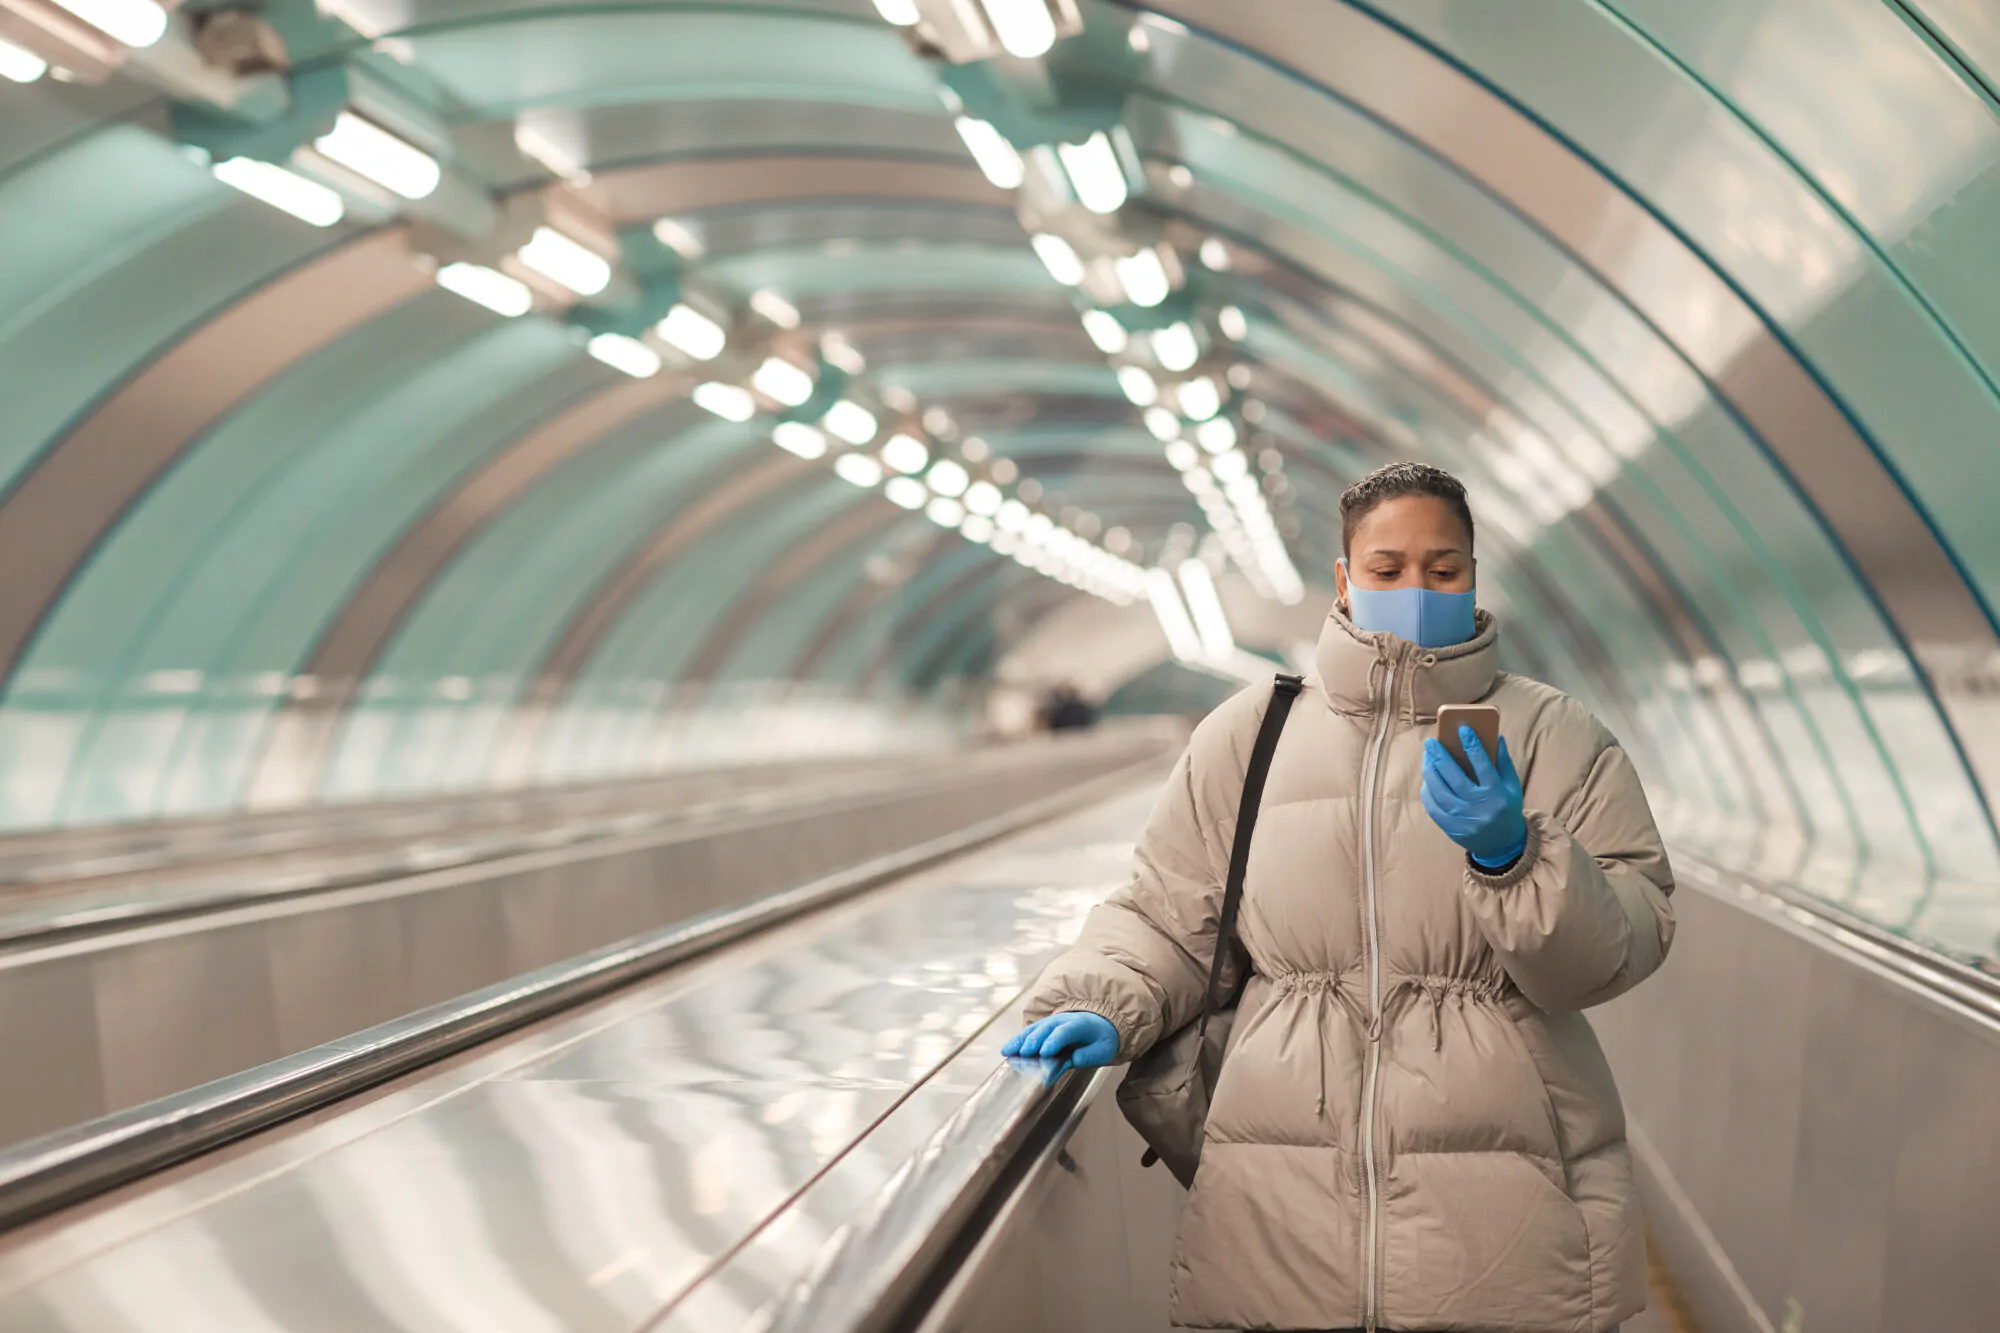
785, 1113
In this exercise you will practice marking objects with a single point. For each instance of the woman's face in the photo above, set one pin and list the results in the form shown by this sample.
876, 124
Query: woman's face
1415, 541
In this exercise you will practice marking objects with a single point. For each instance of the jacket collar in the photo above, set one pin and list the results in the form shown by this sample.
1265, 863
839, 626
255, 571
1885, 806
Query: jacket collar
1352, 666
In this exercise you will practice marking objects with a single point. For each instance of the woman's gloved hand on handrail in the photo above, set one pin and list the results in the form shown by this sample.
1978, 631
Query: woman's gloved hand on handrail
1073, 1039
1481, 813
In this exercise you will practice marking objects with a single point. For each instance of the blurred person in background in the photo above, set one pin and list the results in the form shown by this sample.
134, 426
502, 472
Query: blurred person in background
1065, 709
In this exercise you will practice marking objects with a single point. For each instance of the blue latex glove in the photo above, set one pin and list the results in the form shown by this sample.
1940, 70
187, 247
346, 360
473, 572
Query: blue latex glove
1481, 813
1073, 1039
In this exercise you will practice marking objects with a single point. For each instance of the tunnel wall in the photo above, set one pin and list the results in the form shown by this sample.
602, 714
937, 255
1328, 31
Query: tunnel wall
285, 522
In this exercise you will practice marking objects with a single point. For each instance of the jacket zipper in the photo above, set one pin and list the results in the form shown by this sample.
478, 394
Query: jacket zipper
1371, 779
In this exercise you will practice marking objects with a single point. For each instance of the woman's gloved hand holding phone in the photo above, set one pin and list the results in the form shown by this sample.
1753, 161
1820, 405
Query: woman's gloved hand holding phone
1481, 812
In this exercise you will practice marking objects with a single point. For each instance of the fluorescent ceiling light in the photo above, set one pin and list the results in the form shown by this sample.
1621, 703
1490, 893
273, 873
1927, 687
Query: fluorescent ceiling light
995, 157
842, 353
1217, 436
860, 469
905, 454
1215, 254
136, 23
907, 492
678, 237
779, 379
1144, 278
902, 13
949, 478
1200, 399
369, 150
1024, 27
688, 330
1232, 323
775, 308
1059, 258
1217, 642
626, 354
1138, 386
983, 497
1095, 173
308, 201
1230, 466
945, 512
977, 529
798, 438
561, 259
19, 65
1164, 424
488, 287
1175, 346
557, 158
851, 422
727, 401
1183, 456
1168, 609
1105, 330
1013, 516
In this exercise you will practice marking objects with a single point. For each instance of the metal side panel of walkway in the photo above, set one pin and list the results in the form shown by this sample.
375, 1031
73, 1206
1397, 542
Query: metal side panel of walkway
676, 1157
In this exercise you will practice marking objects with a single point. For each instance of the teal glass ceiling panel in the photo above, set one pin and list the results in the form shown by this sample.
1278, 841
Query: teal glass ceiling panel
938, 380
609, 720
777, 640
808, 273
461, 409
216, 650
616, 57
1891, 362
1967, 31
115, 247
126, 629
435, 709
32, 122
1881, 125
613, 138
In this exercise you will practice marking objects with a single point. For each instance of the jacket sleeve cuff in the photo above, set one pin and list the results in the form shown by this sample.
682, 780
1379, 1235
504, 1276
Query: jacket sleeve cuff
1128, 1036
1506, 877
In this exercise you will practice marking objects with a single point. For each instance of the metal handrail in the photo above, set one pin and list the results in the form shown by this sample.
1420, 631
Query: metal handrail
600, 835
57, 1170
1957, 985
878, 1270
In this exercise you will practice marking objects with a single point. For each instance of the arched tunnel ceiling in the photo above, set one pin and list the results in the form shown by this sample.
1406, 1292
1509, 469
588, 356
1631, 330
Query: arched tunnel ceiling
1699, 298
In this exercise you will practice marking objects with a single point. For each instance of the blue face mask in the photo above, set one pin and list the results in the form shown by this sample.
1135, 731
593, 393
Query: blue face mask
1425, 618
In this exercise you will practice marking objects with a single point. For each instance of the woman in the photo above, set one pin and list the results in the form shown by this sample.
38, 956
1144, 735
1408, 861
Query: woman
1414, 1127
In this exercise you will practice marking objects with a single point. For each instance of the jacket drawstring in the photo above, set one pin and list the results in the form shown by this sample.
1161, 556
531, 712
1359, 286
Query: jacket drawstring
1320, 986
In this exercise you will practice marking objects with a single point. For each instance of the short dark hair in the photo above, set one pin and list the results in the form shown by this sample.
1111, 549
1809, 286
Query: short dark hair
1393, 482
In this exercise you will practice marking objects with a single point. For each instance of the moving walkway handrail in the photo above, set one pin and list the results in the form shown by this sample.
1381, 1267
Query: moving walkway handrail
25, 927
883, 1270
64, 1168
1956, 984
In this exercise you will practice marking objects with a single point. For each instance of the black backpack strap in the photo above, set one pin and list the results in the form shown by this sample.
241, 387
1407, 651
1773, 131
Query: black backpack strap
1286, 690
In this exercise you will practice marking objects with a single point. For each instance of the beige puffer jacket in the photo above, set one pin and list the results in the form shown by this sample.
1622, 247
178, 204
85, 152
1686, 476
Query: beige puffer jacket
1415, 1127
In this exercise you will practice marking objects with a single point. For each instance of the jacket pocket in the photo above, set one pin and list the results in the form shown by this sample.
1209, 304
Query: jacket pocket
1520, 1044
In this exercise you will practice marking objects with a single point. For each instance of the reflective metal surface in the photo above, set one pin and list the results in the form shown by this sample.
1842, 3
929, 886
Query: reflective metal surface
105, 1021
676, 1157
1814, 1120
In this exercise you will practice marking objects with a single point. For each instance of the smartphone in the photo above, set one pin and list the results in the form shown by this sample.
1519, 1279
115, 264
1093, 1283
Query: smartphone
1484, 719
